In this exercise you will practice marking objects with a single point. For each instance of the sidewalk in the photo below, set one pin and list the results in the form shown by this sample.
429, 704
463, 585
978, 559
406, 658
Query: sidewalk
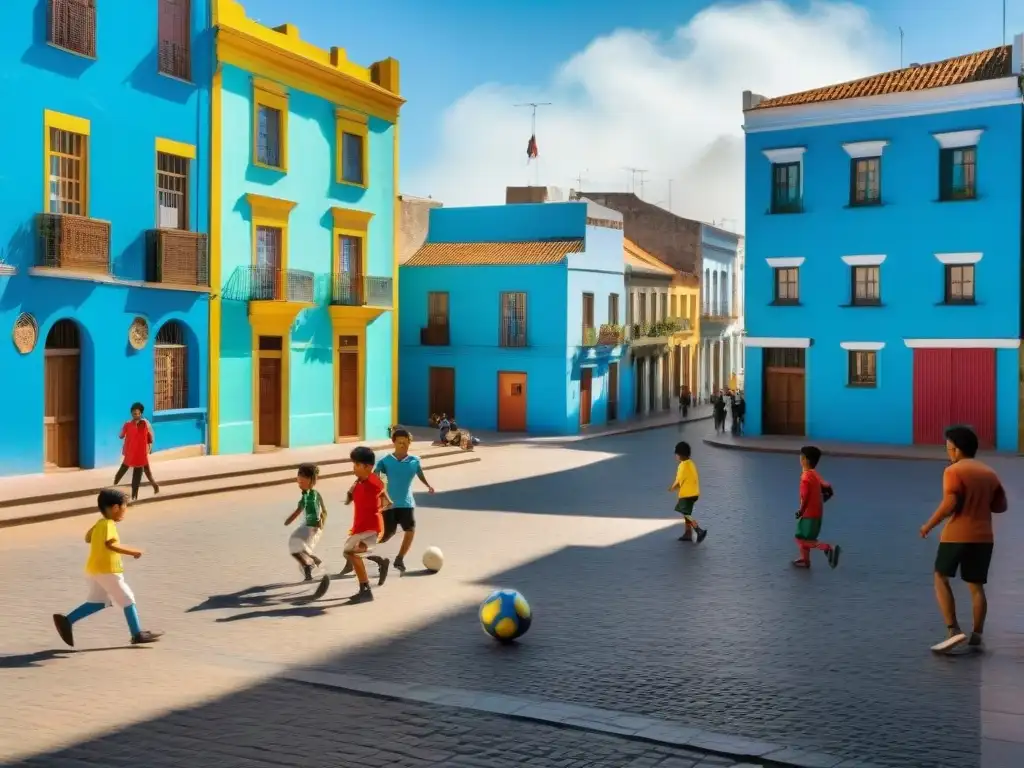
785, 444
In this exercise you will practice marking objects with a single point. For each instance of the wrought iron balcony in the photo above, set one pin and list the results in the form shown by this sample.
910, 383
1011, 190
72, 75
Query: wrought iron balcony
75, 243
178, 257
71, 24
263, 283
436, 335
351, 290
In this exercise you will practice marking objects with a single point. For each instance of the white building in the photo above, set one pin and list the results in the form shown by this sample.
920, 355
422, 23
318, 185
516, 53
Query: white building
721, 354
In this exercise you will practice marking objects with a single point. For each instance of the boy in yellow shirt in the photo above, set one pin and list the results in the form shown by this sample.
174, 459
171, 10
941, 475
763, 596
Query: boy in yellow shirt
105, 573
688, 485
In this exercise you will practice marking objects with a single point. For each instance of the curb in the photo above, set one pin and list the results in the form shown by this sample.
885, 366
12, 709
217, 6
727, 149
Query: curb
840, 454
45, 517
624, 725
580, 438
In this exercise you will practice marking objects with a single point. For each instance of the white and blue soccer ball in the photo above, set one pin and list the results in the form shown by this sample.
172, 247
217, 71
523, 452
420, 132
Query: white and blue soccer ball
505, 615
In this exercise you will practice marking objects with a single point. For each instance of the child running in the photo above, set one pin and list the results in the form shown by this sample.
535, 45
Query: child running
814, 492
311, 505
399, 470
688, 484
105, 573
368, 496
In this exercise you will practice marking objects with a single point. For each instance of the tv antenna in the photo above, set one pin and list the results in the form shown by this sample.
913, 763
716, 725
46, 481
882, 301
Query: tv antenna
535, 158
634, 172
901, 46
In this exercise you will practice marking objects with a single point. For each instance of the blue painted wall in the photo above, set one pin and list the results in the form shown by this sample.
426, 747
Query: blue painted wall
909, 229
310, 183
129, 104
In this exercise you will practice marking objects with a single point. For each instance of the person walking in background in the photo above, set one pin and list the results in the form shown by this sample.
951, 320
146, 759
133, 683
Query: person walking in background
137, 434
718, 405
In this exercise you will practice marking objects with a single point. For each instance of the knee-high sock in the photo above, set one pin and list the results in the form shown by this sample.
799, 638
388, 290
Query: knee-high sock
131, 613
85, 610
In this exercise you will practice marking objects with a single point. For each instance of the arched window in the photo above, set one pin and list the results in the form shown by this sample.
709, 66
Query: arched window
714, 294
706, 291
170, 368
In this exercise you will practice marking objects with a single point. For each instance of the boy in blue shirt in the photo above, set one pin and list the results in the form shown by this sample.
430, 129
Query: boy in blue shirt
399, 470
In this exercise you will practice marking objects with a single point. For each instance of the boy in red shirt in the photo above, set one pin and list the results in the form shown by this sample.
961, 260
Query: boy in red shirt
369, 497
814, 492
138, 442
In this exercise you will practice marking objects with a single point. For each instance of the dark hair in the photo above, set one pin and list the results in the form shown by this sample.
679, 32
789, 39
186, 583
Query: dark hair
683, 449
398, 432
812, 453
138, 407
363, 455
964, 440
309, 470
108, 497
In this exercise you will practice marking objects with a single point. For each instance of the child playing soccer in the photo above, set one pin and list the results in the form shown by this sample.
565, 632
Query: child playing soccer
687, 483
104, 571
303, 540
368, 496
814, 492
400, 469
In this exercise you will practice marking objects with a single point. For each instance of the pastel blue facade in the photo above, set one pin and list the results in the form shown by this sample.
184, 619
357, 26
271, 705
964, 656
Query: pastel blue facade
553, 357
83, 129
720, 350
906, 243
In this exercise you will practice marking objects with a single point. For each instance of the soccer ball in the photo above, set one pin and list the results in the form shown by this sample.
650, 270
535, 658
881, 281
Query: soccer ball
505, 615
433, 559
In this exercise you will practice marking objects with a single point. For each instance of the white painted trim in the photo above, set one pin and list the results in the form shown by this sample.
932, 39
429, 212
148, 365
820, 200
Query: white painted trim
952, 98
785, 155
788, 261
862, 346
962, 343
958, 258
768, 342
957, 139
864, 261
858, 149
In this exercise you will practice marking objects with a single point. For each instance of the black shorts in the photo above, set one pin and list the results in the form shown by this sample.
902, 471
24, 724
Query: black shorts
398, 516
972, 560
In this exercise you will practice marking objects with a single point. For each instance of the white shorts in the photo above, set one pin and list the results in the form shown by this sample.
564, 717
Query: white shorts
369, 538
303, 540
109, 589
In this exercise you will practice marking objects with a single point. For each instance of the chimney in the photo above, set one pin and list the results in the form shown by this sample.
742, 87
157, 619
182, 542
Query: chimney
751, 100
1017, 55
526, 195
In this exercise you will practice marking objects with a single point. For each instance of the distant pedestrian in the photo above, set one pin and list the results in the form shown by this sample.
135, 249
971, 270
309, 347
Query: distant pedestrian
304, 539
971, 494
718, 409
137, 434
687, 484
400, 470
814, 492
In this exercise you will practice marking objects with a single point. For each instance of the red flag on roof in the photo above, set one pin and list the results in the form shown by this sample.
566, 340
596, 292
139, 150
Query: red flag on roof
531, 148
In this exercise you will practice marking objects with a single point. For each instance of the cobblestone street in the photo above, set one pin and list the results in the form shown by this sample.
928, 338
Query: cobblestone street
724, 636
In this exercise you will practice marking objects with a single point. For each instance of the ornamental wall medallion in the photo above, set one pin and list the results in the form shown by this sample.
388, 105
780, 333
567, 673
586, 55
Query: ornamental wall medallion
138, 333
26, 333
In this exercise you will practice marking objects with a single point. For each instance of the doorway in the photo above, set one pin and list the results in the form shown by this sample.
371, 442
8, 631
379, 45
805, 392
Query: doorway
348, 387
784, 392
586, 395
62, 388
638, 386
441, 397
270, 390
613, 391
511, 402
954, 386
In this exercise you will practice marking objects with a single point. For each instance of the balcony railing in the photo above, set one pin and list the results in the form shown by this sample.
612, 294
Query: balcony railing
263, 283
682, 322
351, 290
435, 335
717, 316
71, 24
607, 335
512, 332
178, 257
652, 332
74, 243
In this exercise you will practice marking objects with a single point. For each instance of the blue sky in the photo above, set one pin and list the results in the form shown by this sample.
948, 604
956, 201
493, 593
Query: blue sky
448, 48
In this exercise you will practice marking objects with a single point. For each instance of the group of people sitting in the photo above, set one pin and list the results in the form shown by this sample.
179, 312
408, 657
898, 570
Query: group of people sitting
448, 433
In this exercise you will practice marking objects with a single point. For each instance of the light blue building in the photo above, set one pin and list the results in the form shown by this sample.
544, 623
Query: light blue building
103, 251
511, 319
883, 264
720, 329
304, 341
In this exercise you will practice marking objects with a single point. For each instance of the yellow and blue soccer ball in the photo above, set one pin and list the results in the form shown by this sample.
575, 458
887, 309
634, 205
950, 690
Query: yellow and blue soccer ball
505, 615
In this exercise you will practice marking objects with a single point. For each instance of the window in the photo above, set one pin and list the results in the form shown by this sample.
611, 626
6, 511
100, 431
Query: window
723, 287
866, 181
787, 285
72, 26
352, 137
714, 294
172, 190
66, 161
664, 307
866, 287
174, 36
706, 292
170, 368
270, 125
267, 274
437, 309
674, 306
957, 173
513, 319
351, 286
959, 283
785, 188
862, 368
613, 308
588, 310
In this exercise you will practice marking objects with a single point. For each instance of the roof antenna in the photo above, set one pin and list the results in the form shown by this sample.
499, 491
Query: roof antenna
901, 46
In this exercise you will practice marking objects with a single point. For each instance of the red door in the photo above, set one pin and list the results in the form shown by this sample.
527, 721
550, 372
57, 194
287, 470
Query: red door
954, 386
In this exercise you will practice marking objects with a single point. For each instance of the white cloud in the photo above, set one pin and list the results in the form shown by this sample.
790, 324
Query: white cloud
668, 105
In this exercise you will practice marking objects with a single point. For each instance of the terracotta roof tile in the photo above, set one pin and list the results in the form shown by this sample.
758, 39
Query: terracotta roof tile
493, 254
969, 68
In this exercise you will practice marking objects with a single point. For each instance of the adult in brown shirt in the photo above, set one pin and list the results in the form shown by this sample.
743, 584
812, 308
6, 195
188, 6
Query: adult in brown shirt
971, 493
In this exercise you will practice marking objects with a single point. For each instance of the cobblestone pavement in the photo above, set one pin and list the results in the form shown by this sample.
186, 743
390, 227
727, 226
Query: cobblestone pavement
724, 636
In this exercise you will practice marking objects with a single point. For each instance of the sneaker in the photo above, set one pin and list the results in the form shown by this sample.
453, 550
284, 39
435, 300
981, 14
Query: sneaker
384, 566
702, 533
976, 643
307, 573
60, 621
322, 587
801, 563
146, 637
833, 555
156, 489
362, 596
955, 638
686, 537
346, 570
399, 564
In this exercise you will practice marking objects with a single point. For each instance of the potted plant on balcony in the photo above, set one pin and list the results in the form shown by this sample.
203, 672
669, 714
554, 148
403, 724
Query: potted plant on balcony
610, 335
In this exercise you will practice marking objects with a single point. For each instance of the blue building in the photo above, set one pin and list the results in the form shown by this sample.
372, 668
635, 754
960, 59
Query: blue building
883, 264
104, 276
511, 319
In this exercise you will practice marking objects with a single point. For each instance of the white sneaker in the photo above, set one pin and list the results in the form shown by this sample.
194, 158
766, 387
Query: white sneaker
950, 643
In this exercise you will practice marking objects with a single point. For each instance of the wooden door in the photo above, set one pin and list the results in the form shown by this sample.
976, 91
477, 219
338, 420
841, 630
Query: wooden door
442, 391
511, 402
613, 391
784, 392
60, 412
348, 391
586, 395
270, 401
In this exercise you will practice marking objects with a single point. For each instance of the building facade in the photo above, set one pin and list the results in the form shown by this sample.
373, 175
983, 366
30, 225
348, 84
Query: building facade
720, 338
103, 247
304, 231
884, 255
511, 319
